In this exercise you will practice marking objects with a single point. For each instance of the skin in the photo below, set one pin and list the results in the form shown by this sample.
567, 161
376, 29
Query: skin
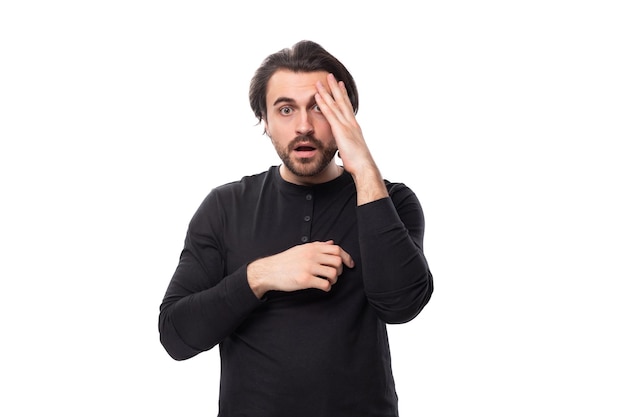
309, 118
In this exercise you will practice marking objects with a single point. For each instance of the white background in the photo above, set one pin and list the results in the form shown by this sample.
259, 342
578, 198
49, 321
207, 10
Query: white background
506, 118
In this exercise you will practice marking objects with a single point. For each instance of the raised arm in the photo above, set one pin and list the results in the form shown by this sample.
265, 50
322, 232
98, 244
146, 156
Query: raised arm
396, 275
353, 151
397, 279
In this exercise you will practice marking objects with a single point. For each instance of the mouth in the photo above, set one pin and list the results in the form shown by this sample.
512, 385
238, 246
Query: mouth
305, 150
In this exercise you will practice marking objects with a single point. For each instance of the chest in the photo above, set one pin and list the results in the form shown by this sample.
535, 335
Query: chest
273, 223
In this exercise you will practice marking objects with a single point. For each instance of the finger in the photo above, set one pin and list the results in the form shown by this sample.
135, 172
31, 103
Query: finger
330, 108
340, 99
345, 257
329, 273
340, 93
321, 283
326, 104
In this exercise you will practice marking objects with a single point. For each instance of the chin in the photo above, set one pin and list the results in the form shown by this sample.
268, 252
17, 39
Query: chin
306, 168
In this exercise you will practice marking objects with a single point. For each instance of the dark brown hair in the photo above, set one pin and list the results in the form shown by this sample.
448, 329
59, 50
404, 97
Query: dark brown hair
304, 56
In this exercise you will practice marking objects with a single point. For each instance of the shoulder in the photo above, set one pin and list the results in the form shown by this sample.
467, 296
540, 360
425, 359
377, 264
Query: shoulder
228, 196
236, 192
246, 184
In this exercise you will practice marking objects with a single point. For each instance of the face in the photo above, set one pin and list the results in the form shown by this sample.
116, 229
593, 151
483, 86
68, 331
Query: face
299, 131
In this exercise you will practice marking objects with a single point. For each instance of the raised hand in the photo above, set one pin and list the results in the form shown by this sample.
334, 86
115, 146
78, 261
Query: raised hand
355, 155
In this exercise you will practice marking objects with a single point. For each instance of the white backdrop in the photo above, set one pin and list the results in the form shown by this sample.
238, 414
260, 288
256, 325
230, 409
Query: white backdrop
505, 118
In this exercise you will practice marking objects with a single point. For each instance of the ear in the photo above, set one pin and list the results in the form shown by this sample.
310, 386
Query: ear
266, 130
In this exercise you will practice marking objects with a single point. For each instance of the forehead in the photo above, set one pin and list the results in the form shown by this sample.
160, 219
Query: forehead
294, 85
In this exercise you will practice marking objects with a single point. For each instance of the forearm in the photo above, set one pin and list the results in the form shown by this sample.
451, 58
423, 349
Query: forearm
193, 322
396, 276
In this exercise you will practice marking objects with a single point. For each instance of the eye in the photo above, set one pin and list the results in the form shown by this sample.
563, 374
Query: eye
316, 108
285, 111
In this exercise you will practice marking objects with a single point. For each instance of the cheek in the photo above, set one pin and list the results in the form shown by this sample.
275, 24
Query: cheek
279, 129
273, 131
322, 127
272, 127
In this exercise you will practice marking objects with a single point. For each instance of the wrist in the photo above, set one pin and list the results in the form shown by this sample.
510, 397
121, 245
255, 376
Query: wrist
370, 186
255, 280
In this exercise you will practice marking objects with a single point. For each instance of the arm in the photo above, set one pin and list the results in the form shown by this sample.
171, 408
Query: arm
355, 155
397, 280
202, 306
396, 275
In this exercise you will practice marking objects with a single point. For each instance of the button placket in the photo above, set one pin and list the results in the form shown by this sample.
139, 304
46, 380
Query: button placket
307, 218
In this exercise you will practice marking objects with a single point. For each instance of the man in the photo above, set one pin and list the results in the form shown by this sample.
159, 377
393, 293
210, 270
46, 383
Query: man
295, 271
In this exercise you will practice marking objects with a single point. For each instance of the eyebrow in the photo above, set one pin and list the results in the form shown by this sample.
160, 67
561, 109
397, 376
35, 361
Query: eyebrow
284, 100
289, 100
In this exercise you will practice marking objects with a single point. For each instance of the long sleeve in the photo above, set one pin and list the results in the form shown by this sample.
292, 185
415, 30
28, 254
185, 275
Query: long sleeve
396, 276
202, 306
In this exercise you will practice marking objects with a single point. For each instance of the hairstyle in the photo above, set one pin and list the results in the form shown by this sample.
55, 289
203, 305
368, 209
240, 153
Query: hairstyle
304, 56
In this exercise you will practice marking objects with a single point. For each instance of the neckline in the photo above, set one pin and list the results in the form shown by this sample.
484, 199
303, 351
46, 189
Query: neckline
336, 183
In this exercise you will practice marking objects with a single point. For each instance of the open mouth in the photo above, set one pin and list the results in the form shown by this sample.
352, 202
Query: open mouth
304, 148
305, 151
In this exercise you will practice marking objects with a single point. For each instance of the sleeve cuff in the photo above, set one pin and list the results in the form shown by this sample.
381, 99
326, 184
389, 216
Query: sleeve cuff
240, 297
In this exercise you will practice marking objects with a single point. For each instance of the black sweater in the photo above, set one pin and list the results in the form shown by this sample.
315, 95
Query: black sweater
303, 353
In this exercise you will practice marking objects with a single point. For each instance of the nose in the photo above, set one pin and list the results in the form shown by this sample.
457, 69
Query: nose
304, 127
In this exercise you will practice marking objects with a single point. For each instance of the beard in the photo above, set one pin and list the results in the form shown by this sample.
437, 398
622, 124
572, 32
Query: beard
307, 167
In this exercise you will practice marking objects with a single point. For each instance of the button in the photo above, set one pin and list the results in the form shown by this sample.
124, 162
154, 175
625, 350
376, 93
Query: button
309, 197
307, 218
304, 239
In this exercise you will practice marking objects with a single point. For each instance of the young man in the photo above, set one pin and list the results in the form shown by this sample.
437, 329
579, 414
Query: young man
295, 271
